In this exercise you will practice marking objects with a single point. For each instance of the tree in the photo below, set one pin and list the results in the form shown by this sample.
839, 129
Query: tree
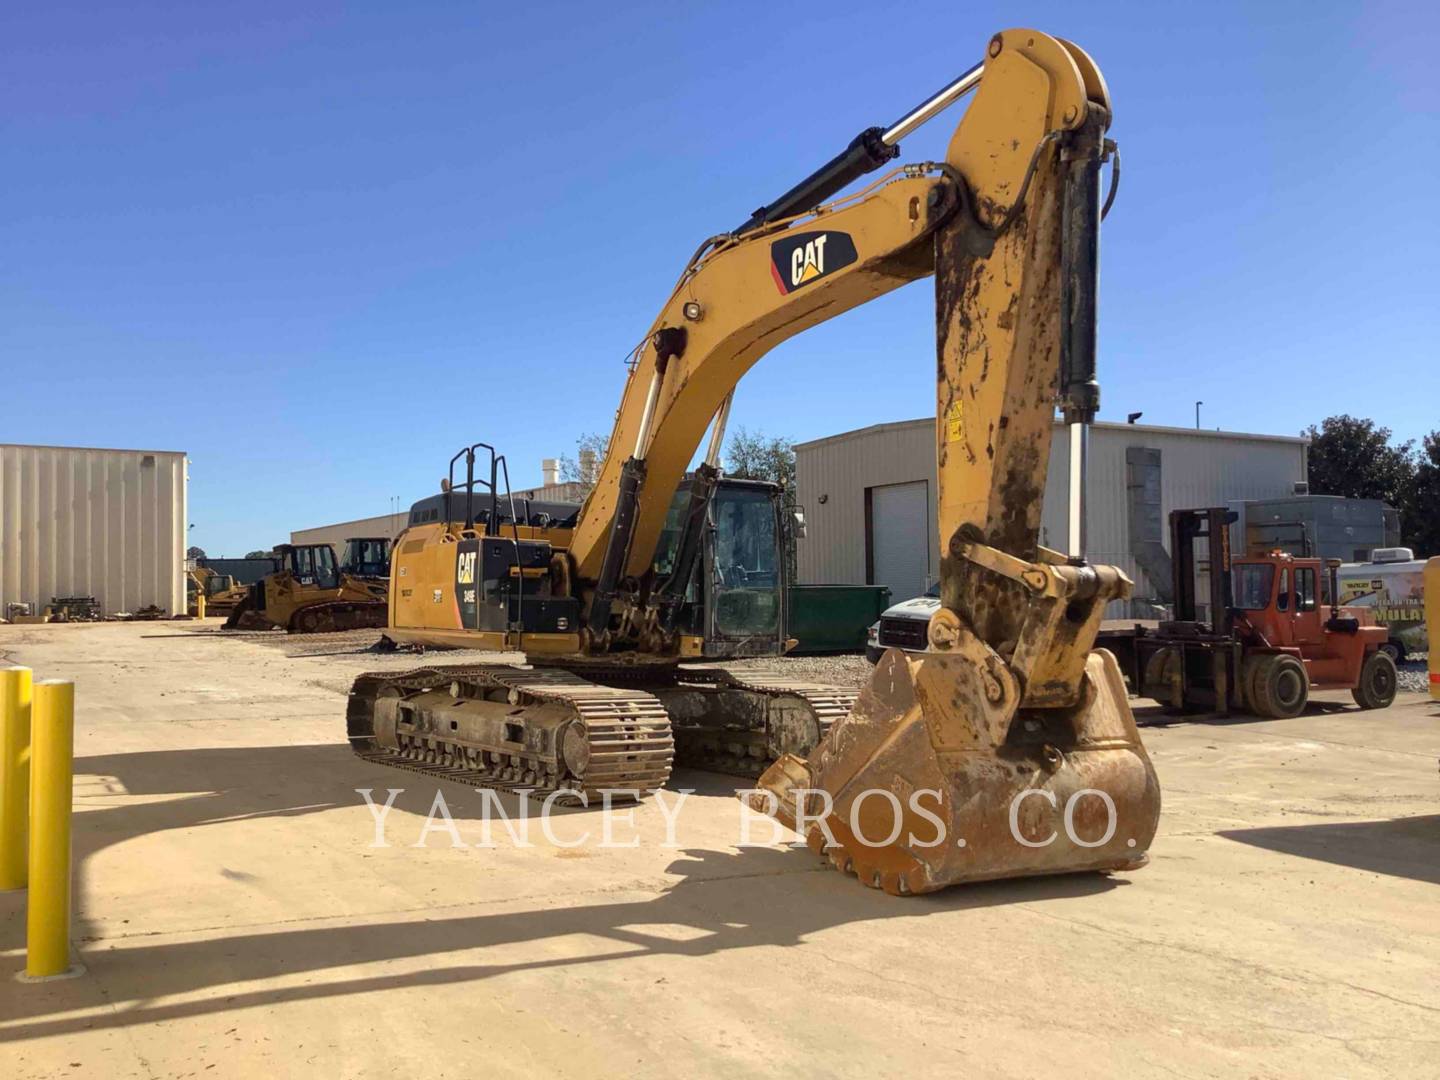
752, 455
584, 467
259, 554
1352, 457
195, 553
1422, 511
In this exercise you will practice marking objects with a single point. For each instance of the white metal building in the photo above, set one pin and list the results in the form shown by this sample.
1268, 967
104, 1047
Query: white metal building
111, 524
869, 496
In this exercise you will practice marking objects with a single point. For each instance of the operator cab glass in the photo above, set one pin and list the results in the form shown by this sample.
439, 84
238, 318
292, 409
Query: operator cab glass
667, 548
1253, 584
745, 571
315, 565
367, 557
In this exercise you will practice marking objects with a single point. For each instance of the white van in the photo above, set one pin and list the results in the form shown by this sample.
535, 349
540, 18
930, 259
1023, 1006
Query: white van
1392, 585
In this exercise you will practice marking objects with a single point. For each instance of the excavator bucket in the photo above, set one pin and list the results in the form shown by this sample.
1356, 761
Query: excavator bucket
931, 782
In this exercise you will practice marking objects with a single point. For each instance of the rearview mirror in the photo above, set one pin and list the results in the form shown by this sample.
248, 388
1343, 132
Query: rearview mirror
800, 524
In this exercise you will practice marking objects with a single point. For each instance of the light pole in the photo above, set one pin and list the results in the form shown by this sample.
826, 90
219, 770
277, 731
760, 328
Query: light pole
1197, 414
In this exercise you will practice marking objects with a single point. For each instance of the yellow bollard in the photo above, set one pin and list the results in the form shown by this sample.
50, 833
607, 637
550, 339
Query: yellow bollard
14, 775
52, 756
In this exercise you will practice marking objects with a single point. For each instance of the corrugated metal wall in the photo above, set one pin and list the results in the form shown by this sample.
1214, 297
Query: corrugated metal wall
104, 523
1198, 468
831, 476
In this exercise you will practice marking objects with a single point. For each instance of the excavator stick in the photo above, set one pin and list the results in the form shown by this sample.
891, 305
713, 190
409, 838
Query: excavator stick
1007, 748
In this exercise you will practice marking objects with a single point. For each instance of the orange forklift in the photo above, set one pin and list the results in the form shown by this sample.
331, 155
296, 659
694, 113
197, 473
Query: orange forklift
1273, 631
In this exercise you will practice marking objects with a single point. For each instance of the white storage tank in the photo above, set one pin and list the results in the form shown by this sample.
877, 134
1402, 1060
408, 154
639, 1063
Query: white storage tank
78, 522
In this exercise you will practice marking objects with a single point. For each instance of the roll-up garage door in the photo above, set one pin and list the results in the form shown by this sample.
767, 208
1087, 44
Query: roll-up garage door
900, 538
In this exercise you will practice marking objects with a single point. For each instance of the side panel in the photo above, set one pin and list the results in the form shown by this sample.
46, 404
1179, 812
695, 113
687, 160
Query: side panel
423, 576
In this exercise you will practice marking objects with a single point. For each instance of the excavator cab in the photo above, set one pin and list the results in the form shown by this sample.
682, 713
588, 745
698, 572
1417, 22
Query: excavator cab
735, 601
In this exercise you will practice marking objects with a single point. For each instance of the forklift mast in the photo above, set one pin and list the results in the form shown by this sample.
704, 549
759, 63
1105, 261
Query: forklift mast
1213, 525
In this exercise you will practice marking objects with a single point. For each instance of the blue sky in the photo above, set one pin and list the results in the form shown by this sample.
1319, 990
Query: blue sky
319, 246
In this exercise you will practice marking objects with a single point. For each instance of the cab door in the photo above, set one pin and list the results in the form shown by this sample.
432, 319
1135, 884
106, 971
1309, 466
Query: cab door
744, 569
1306, 622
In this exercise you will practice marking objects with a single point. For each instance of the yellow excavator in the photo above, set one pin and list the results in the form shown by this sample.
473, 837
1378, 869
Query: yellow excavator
210, 593
1008, 746
311, 593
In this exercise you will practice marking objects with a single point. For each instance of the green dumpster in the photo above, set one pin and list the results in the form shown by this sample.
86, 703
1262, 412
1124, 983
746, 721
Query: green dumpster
834, 618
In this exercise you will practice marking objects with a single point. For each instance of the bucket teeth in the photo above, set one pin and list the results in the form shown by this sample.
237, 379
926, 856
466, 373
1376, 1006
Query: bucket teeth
920, 788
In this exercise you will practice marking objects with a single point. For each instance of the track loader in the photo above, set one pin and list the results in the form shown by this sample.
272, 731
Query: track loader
311, 594
1008, 747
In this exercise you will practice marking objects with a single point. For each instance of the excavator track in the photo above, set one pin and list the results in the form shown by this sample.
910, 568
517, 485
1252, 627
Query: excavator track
544, 731
339, 615
736, 721
797, 712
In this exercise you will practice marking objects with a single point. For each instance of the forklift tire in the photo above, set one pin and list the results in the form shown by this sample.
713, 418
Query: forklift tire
1378, 682
1248, 667
1280, 687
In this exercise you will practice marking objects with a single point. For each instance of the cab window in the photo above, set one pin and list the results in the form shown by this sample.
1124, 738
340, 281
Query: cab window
1252, 582
1282, 599
1304, 589
304, 566
327, 574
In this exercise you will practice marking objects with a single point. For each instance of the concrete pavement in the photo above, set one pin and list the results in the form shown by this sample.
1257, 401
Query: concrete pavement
237, 921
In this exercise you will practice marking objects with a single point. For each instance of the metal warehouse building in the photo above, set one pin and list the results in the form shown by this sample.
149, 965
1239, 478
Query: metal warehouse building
386, 525
390, 525
104, 523
869, 496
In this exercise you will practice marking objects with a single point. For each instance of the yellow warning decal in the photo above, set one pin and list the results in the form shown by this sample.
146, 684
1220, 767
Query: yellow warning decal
955, 422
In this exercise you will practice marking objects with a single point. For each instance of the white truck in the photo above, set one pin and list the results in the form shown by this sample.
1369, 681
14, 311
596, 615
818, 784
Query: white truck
1392, 585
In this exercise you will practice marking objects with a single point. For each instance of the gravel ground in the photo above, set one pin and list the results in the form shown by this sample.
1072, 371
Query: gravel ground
1414, 674
845, 670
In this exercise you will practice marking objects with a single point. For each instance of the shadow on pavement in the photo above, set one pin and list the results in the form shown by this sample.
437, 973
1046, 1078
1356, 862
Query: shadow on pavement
718, 901
1148, 714
1402, 847
724, 900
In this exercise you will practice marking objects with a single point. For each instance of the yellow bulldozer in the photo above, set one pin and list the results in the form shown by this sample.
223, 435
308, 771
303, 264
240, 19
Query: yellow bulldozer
313, 593
1008, 746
